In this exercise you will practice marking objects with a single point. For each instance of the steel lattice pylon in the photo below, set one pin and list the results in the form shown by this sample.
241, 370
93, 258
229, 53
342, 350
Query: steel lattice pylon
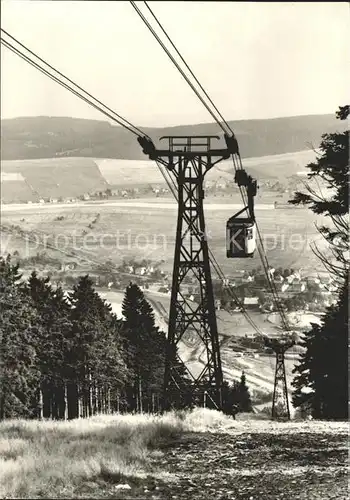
192, 321
280, 403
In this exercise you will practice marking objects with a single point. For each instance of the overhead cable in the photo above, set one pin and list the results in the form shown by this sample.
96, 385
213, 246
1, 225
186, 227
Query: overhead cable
144, 19
109, 113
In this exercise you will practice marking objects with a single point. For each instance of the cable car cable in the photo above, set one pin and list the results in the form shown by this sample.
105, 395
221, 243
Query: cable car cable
263, 258
189, 69
217, 268
175, 63
181, 71
78, 94
34, 64
132, 128
178, 67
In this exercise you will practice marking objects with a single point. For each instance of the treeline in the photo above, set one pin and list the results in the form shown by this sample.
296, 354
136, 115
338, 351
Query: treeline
67, 355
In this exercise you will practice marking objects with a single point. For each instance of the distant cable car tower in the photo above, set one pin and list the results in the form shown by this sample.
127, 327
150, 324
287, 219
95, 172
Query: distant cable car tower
188, 159
280, 403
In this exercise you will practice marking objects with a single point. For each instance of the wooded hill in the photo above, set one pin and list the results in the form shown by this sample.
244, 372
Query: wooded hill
47, 137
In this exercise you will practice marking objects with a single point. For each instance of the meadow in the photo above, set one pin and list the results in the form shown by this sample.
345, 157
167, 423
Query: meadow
130, 173
145, 231
183, 455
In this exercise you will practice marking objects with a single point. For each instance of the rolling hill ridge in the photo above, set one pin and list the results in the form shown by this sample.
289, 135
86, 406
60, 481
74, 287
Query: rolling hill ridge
48, 137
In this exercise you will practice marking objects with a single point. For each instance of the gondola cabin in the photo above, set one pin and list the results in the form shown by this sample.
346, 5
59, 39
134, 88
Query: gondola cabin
240, 237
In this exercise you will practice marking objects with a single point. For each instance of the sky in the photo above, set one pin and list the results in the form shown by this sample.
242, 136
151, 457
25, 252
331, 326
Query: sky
255, 59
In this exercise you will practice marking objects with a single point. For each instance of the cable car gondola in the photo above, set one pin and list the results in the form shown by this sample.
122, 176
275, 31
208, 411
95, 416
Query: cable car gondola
241, 231
240, 237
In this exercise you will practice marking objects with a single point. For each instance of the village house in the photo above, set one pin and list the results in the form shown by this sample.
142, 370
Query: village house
69, 266
156, 190
140, 270
221, 185
251, 303
294, 287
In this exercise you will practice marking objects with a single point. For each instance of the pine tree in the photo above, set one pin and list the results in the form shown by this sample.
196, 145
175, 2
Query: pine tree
145, 348
320, 382
243, 395
331, 169
180, 391
53, 312
95, 351
19, 334
230, 398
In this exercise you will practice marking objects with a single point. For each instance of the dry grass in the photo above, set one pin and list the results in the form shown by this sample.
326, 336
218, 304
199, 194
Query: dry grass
79, 458
42, 459
56, 459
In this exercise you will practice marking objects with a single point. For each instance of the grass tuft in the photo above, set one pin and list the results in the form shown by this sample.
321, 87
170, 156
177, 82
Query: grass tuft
45, 459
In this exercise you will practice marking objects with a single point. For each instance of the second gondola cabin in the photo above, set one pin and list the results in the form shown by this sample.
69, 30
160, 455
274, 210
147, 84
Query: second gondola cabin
240, 237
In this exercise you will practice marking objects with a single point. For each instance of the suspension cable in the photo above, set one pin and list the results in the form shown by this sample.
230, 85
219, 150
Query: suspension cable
139, 132
176, 64
266, 266
18, 52
261, 248
215, 264
187, 66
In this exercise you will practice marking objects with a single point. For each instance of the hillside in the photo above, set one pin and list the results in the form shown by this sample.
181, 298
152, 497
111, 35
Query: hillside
48, 137
135, 173
30, 180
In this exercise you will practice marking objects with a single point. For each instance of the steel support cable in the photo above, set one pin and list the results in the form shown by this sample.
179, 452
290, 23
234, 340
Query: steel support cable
264, 260
37, 66
272, 285
262, 254
218, 269
188, 67
221, 275
266, 266
26, 58
176, 64
215, 264
261, 249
